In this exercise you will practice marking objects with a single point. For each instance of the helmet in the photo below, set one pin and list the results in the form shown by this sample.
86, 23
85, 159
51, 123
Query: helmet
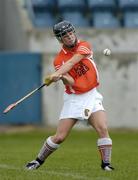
61, 28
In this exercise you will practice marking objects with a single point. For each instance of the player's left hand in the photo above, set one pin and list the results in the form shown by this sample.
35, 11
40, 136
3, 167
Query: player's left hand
48, 80
52, 78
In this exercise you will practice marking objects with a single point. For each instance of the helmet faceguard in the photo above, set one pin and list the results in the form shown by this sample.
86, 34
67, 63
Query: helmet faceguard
60, 29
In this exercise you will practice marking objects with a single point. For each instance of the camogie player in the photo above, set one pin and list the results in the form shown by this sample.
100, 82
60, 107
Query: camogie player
82, 102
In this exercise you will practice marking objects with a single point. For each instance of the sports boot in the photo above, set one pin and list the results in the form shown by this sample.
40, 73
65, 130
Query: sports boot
32, 165
106, 166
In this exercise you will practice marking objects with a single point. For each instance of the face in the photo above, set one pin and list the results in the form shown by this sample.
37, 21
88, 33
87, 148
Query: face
69, 38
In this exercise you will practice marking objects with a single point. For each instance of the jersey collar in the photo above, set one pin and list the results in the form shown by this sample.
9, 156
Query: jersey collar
66, 50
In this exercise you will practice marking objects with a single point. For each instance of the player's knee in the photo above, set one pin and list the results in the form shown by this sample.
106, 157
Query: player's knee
59, 138
102, 131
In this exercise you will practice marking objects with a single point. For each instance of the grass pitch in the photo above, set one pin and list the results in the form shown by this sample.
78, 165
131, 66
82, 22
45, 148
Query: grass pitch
76, 159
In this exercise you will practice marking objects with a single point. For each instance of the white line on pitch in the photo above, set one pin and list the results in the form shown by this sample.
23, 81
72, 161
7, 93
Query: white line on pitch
75, 176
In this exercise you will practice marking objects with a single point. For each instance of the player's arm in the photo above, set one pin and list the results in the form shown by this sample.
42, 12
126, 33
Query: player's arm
67, 79
66, 67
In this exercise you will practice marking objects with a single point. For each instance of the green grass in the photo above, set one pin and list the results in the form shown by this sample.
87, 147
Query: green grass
76, 159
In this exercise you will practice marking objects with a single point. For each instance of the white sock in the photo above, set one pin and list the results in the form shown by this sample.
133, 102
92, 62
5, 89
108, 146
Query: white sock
105, 149
48, 148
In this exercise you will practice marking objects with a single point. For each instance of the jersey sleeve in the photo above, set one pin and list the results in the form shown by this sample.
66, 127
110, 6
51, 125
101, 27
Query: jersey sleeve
57, 63
57, 66
84, 48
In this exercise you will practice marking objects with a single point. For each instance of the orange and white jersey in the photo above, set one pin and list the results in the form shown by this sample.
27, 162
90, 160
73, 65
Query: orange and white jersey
84, 72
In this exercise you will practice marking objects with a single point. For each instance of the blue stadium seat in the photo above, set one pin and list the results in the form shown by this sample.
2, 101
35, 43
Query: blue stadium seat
69, 5
128, 4
48, 3
44, 19
101, 4
130, 19
104, 20
76, 18
43, 4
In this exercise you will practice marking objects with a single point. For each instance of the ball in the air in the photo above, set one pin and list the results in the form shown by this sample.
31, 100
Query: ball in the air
107, 52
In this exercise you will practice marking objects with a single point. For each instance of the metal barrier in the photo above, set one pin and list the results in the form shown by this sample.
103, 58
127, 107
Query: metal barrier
20, 73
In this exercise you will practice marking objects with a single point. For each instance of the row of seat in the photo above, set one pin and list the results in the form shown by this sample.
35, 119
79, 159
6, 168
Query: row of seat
64, 5
85, 13
96, 19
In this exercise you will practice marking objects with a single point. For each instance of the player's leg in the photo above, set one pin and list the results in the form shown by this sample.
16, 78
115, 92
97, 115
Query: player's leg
52, 143
99, 122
